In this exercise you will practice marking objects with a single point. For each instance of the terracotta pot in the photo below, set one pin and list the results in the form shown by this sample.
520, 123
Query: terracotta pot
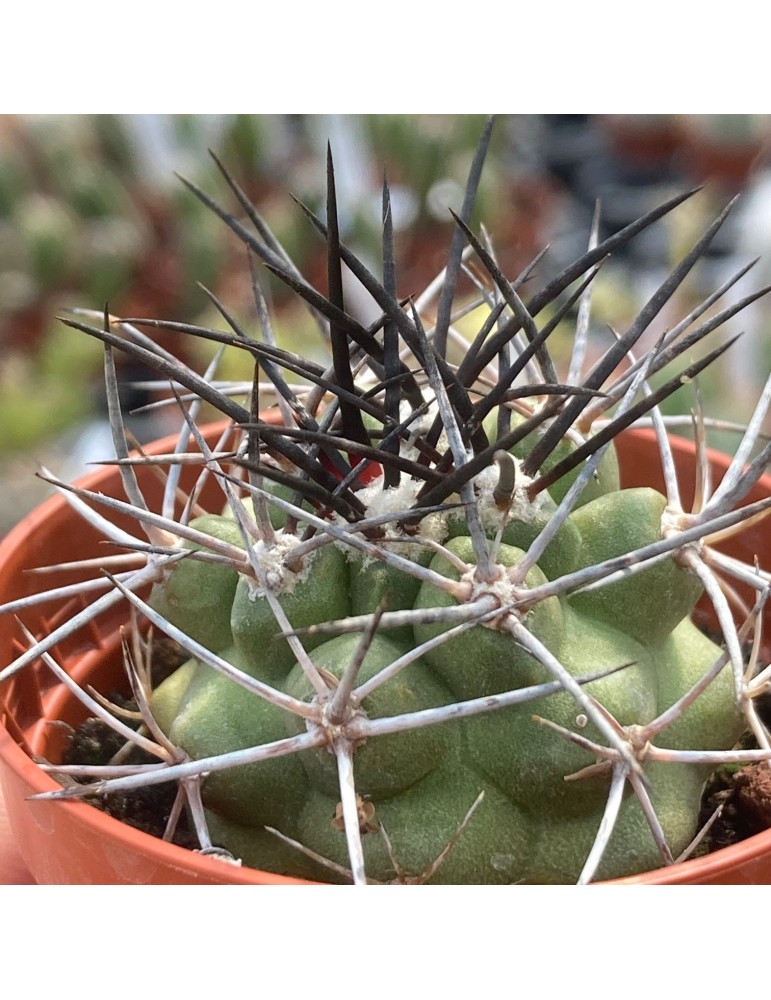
74, 843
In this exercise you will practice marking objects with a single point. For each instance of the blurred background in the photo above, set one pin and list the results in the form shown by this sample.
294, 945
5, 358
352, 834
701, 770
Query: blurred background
91, 212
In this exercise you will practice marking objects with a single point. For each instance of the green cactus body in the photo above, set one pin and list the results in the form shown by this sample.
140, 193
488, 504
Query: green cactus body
197, 596
316, 592
421, 822
557, 855
681, 659
525, 759
532, 824
649, 604
393, 763
216, 715
605, 479
560, 556
259, 848
484, 661
374, 583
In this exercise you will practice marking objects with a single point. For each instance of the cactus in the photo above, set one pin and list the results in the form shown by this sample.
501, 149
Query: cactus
430, 638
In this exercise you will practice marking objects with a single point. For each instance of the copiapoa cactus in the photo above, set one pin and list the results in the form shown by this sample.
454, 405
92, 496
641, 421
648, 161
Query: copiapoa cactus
429, 636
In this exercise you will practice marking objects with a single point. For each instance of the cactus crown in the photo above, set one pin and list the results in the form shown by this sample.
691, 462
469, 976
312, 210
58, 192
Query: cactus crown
426, 602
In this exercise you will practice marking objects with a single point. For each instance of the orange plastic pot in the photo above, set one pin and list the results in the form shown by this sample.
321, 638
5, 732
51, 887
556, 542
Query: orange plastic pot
74, 843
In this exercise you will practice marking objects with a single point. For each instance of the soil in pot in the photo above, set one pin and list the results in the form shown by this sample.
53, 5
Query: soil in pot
93, 742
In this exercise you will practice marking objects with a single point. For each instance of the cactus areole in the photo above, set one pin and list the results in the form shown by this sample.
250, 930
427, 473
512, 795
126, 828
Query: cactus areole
429, 636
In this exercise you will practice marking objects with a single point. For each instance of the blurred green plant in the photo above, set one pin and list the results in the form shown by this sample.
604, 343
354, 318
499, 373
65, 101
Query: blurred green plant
44, 393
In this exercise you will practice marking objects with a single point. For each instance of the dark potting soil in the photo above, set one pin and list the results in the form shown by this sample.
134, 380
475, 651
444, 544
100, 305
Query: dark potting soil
744, 793
95, 743
741, 794
147, 809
